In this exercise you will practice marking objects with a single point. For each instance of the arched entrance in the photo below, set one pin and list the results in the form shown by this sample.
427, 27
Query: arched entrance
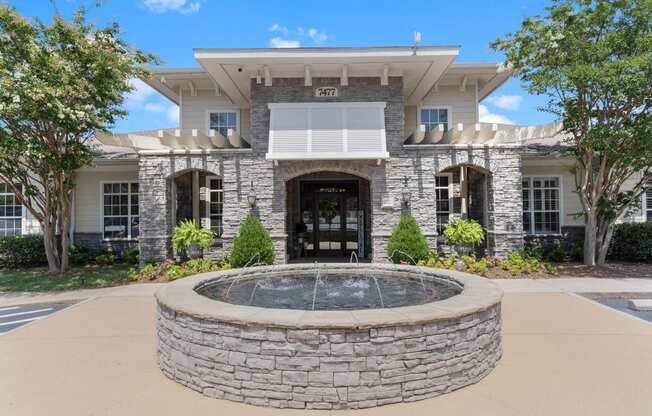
463, 191
328, 216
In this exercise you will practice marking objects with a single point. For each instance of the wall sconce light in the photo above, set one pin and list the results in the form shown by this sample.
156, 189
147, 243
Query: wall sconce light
251, 196
405, 195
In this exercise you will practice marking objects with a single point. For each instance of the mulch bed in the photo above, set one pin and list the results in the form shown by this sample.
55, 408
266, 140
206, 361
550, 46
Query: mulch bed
613, 270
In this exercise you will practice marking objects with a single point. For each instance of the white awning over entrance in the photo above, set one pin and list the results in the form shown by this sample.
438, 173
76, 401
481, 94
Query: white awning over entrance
321, 131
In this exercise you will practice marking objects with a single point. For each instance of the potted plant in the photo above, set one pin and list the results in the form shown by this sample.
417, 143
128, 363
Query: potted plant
192, 238
463, 235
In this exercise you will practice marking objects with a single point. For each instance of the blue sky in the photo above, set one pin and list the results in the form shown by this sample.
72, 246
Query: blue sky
172, 28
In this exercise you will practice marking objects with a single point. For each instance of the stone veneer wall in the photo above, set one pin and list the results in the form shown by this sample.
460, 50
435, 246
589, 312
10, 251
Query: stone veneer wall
420, 165
327, 368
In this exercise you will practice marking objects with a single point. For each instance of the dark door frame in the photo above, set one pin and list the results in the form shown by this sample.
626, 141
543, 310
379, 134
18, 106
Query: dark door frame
315, 210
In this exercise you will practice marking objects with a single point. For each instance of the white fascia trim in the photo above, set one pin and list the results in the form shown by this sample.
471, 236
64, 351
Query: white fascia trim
327, 156
191, 151
328, 53
348, 104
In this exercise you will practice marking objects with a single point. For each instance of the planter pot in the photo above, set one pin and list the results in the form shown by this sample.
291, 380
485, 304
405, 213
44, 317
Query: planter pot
194, 251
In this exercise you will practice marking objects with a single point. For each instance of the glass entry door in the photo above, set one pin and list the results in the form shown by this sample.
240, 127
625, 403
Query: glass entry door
330, 213
330, 221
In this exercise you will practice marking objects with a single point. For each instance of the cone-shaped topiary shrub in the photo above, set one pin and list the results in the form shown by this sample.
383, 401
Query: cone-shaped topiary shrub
407, 238
252, 239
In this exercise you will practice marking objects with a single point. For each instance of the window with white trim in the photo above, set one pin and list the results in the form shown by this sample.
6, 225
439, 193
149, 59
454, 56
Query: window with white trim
431, 117
120, 210
222, 121
443, 200
215, 205
648, 202
11, 212
541, 205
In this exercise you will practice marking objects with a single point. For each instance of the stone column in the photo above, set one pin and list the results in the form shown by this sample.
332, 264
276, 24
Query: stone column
154, 207
505, 203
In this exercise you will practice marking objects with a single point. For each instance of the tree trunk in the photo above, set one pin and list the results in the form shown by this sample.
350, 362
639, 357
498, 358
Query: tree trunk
590, 239
50, 241
603, 248
65, 230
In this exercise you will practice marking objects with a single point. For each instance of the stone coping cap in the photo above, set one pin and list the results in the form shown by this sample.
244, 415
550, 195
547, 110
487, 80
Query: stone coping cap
478, 294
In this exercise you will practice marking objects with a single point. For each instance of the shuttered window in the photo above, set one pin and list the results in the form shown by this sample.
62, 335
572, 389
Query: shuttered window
327, 131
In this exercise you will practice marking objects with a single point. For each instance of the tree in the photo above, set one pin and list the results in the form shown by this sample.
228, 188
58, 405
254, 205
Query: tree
593, 60
252, 245
59, 84
407, 243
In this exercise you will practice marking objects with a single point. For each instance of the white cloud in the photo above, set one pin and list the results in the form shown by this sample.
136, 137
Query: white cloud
155, 108
170, 111
317, 36
278, 28
283, 43
163, 6
173, 114
283, 38
506, 102
486, 116
140, 93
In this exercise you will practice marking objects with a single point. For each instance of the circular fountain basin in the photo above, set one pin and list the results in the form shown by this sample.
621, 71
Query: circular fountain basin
349, 336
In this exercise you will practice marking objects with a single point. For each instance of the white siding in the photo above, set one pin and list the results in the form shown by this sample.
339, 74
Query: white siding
571, 203
193, 110
462, 106
88, 197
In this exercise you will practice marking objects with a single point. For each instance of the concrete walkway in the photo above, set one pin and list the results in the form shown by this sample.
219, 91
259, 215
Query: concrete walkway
562, 356
557, 285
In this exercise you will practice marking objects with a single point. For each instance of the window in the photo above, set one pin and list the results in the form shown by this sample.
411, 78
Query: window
120, 210
222, 121
648, 202
11, 212
541, 205
443, 200
431, 117
215, 205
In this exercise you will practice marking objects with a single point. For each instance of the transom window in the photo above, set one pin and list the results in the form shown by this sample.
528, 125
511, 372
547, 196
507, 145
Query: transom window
443, 201
222, 121
120, 210
11, 212
215, 205
541, 205
432, 117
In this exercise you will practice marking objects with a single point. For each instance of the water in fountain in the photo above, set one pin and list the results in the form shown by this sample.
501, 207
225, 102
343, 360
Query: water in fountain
414, 263
380, 295
248, 264
354, 255
314, 290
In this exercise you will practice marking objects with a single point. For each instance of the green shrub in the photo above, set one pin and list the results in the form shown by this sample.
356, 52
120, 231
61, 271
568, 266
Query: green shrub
22, 251
252, 242
150, 261
555, 253
407, 238
196, 266
78, 254
188, 233
105, 258
131, 256
576, 252
463, 234
632, 242
518, 262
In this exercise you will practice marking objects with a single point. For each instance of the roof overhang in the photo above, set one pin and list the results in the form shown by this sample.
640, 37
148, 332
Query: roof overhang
233, 69
487, 76
170, 82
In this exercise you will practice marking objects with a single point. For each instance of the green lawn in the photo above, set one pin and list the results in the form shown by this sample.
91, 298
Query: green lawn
38, 280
